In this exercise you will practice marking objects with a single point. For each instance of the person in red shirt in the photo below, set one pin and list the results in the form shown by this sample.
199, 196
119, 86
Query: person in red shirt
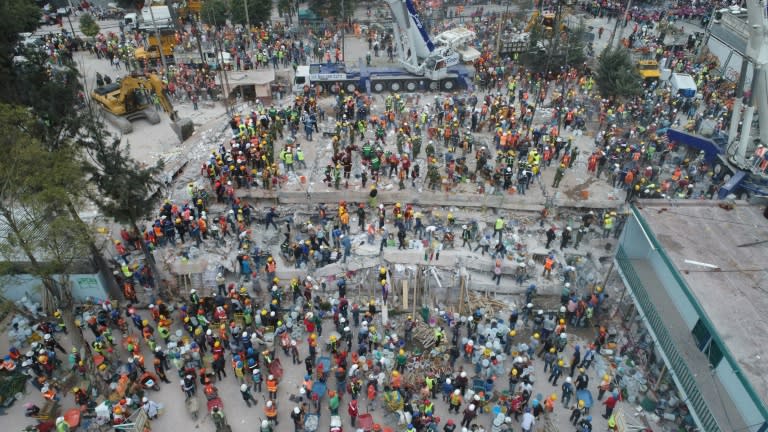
353, 411
610, 404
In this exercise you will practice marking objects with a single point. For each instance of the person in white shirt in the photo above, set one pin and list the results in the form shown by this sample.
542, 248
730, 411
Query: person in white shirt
528, 421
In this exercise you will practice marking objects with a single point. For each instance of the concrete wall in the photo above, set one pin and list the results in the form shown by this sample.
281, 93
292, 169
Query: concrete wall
736, 391
638, 246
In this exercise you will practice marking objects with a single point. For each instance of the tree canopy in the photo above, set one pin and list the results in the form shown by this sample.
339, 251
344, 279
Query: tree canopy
259, 11
88, 25
332, 8
616, 76
214, 12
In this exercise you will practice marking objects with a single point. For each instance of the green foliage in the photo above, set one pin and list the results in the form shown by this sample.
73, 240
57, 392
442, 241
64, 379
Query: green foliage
549, 53
125, 189
286, 7
35, 185
88, 25
17, 16
332, 8
214, 12
616, 76
259, 11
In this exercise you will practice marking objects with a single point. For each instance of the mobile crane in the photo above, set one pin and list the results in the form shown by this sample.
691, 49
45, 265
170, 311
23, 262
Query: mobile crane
130, 99
746, 176
739, 174
424, 64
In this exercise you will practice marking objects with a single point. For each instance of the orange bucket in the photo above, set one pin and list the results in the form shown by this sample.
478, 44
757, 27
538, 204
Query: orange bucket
585, 194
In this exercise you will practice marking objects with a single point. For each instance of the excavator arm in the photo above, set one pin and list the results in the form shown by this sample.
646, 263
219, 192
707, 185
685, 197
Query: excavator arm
156, 84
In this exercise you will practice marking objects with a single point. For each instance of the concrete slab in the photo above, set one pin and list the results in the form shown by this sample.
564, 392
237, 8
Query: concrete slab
706, 233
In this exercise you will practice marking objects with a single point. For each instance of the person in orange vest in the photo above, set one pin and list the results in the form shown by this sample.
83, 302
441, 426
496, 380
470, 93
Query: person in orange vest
272, 386
270, 410
548, 264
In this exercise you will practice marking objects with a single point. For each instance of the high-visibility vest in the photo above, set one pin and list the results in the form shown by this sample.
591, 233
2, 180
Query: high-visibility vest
272, 385
270, 411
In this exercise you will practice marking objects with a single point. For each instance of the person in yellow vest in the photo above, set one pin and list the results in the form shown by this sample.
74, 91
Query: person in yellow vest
498, 227
607, 224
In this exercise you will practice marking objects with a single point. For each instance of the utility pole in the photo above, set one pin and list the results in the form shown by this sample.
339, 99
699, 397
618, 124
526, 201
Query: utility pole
616, 31
69, 17
196, 29
157, 35
223, 71
343, 33
247, 19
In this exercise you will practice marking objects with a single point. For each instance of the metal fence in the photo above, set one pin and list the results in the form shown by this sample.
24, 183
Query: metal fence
676, 362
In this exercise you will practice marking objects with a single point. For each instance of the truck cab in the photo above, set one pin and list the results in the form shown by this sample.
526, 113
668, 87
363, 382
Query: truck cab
649, 70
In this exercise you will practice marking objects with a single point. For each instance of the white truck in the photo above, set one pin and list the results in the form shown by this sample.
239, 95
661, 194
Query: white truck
148, 18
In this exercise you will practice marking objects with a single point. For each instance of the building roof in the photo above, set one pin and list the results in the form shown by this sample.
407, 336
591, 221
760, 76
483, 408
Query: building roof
720, 254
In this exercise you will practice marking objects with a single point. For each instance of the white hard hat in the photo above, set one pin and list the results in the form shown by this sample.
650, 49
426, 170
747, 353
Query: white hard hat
529, 305
448, 381
244, 387
296, 410
463, 374
271, 377
208, 332
471, 407
269, 403
47, 336
568, 379
457, 392
144, 399
567, 284
264, 423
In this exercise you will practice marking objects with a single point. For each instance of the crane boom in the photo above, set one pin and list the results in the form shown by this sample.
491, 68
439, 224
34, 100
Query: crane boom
757, 54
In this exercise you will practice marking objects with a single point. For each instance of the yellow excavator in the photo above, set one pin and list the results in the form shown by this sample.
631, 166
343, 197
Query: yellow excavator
132, 98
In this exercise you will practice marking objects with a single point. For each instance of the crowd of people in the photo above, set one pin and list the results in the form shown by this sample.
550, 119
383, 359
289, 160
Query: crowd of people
489, 370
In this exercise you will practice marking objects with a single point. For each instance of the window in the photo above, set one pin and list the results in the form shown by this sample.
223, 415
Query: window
706, 343
714, 354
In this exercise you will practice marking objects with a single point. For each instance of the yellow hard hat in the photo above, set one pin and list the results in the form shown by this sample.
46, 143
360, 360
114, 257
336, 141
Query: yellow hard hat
581, 404
536, 336
553, 397
560, 363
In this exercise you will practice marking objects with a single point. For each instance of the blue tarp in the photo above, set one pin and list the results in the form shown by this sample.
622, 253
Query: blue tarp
711, 150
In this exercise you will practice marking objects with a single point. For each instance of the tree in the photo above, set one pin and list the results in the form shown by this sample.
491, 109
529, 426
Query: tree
548, 53
333, 8
259, 11
126, 191
286, 7
18, 16
30, 204
616, 76
88, 25
214, 12
36, 186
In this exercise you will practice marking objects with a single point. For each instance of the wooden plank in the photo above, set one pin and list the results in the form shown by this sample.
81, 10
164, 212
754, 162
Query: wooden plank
405, 294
